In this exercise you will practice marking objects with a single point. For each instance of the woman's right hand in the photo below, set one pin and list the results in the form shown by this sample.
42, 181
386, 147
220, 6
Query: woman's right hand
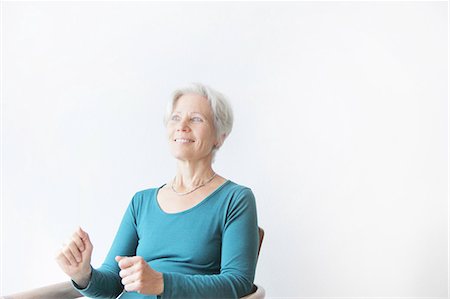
74, 258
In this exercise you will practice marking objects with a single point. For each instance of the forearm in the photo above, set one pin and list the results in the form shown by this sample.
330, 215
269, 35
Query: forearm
205, 286
102, 284
105, 281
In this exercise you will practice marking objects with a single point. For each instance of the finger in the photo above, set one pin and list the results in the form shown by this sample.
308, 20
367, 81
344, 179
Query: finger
84, 235
80, 231
127, 262
133, 286
78, 242
68, 254
130, 271
128, 278
61, 259
125, 268
78, 235
75, 250
132, 261
87, 243
58, 253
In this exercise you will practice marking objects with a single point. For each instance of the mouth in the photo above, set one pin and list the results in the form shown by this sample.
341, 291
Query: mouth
183, 140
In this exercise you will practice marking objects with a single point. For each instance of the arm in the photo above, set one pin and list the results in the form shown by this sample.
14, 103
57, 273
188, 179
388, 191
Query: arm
238, 259
62, 290
105, 281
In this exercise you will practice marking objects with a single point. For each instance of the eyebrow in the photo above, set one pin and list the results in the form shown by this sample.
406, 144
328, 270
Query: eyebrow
194, 112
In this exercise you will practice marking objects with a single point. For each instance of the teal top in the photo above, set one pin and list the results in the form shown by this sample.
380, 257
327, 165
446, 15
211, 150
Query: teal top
207, 251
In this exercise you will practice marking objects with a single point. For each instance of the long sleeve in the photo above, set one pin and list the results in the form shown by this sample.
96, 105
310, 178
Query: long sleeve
238, 257
105, 281
207, 251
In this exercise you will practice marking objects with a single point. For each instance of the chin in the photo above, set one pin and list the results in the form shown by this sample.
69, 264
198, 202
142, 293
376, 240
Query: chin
181, 155
187, 156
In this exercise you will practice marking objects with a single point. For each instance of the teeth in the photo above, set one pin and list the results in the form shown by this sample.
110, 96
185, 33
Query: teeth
183, 140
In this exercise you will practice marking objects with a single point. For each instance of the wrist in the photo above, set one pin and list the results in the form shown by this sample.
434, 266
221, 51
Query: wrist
83, 280
160, 284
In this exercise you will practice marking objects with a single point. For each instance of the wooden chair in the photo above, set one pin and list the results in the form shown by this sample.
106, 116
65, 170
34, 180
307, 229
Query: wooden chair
65, 290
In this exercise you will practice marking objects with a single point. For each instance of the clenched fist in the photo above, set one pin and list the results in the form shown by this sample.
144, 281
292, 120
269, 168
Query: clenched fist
75, 258
138, 276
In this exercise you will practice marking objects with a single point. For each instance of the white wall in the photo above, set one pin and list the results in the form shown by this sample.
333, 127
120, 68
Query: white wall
341, 131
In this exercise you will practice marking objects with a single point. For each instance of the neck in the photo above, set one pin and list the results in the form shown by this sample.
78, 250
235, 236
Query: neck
190, 174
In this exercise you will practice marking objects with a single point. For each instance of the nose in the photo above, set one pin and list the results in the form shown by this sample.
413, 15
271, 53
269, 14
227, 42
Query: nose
183, 125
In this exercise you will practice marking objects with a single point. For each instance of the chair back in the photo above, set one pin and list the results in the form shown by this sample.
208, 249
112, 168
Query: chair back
261, 238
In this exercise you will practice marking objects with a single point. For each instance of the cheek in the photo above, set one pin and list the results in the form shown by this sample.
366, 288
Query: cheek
170, 132
208, 139
209, 134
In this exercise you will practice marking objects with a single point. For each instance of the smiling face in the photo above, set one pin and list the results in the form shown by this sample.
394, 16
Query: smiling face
190, 128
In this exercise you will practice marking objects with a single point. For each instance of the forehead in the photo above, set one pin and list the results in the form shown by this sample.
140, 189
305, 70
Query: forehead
192, 103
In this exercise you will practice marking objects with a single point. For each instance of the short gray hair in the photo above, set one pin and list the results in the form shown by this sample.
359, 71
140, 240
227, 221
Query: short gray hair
221, 109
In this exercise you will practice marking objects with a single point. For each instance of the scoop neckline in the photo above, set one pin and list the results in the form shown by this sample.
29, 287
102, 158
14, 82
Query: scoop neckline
191, 208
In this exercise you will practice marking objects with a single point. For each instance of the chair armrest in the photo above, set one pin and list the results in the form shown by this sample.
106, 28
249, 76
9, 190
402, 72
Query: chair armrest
63, 290
259, 293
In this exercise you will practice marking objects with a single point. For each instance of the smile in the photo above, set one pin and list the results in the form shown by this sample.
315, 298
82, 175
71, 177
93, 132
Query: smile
183, 140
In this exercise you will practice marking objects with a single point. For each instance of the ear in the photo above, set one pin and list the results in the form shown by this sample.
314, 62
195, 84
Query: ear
220, 141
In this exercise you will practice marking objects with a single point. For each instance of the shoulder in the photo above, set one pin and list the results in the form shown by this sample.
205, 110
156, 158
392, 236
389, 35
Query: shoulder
239, 194
241, 204
144, 195
237, 189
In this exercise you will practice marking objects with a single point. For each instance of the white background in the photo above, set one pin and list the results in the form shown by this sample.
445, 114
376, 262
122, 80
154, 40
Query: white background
341, 132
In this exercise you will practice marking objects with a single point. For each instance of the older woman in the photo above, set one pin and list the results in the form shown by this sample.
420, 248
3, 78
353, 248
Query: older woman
195, 236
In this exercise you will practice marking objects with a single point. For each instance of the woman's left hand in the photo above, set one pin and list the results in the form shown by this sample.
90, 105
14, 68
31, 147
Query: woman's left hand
138, 276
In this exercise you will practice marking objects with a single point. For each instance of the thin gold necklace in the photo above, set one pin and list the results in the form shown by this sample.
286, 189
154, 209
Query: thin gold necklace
195, 188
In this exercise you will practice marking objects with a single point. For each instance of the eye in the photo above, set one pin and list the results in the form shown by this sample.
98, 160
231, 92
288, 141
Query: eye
196, 119
175, 117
